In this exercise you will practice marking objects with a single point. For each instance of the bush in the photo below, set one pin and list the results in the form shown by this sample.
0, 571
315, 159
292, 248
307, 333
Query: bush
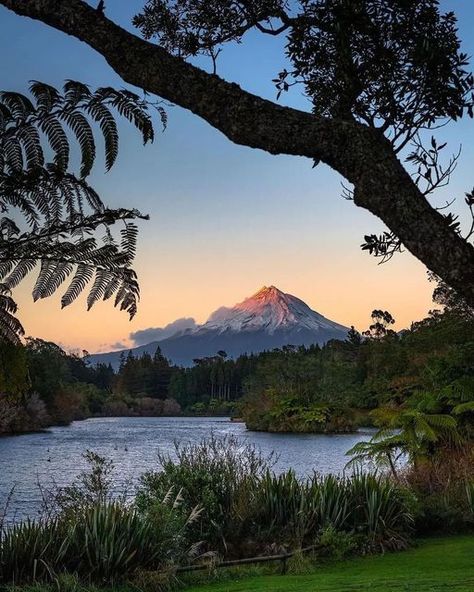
442, 487
296, 512
110, 541
336, 544
208, 475
31, 551
382, 510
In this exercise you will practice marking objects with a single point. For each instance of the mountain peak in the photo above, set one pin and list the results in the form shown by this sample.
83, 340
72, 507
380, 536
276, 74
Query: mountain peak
268, 292
270, 310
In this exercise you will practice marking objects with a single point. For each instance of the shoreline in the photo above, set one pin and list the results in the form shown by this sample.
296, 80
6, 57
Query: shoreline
46, 429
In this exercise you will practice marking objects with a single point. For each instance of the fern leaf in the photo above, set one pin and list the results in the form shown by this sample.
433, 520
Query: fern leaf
100, 113
85, 138
97, 291
80, 280
10, 327
20, 271
75, 92
47, 97
57, 139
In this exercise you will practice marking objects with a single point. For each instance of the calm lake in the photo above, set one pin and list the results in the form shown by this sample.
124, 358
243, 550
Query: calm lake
132, 443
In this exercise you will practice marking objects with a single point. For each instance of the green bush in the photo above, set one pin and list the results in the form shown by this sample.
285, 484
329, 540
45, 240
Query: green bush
208, 475
32, 551
382, 510
101, 543
295, 512
109, 541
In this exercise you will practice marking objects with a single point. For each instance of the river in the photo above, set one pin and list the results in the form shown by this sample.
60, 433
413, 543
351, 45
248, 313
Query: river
55, 456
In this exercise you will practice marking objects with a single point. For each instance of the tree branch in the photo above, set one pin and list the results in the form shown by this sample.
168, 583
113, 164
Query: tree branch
361, 154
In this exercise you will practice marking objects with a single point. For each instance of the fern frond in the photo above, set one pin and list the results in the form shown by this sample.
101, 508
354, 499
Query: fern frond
18, 105
101, 114
61, 211
10, 327
80, 280
46, 96
129, 240
75, 92
29, 138
97, 291
20, 271
13, 155
85, 138
52, 275
57, 139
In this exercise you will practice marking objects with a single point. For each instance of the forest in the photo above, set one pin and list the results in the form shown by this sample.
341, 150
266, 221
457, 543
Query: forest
332, 388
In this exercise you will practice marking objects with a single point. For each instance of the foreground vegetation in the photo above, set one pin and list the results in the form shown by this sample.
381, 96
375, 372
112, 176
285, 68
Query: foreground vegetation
220, 500
434, 565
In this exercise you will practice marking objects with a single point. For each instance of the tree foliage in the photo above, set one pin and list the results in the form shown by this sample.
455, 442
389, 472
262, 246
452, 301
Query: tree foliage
50, 215
379, 74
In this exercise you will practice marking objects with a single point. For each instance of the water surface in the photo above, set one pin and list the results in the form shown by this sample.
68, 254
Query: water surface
133, 442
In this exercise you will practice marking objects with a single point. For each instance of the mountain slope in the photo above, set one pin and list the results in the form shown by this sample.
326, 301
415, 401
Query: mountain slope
268, 319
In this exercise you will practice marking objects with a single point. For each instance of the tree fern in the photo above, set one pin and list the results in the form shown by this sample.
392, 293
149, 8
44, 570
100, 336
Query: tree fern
61, 213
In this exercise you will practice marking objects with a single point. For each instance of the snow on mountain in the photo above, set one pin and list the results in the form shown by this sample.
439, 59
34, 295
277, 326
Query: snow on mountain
269, 309
268, 319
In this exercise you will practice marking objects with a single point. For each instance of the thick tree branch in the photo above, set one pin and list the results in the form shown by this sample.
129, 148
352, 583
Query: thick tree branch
359, 153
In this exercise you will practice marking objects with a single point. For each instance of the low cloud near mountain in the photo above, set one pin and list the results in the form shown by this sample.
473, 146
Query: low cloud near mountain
144, 336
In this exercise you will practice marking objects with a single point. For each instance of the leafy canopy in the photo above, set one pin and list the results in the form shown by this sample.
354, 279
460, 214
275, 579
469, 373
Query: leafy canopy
392, 65
49, 214
395, 65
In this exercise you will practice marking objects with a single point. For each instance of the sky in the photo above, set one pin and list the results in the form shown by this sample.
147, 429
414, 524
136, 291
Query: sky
224, 219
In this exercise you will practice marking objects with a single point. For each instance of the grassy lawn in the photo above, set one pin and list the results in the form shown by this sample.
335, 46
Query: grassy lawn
435, 565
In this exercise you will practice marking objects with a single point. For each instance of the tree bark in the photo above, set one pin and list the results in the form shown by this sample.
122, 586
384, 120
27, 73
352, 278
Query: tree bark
361, 154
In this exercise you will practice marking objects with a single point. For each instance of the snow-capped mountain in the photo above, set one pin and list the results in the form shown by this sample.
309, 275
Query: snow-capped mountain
270, 310
268, 319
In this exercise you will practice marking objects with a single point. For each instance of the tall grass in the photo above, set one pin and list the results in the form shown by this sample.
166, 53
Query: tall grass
298, 511
110, 541
31, 551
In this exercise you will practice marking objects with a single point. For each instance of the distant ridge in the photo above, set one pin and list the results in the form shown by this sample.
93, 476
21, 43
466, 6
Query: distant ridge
268, 319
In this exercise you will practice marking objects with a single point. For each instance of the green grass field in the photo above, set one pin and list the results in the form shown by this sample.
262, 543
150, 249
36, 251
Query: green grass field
435, 565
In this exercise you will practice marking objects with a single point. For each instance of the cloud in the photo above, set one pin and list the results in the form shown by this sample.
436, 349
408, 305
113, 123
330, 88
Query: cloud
119, 345
145, 336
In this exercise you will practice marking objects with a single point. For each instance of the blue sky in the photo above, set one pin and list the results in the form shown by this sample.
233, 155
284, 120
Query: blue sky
225, 219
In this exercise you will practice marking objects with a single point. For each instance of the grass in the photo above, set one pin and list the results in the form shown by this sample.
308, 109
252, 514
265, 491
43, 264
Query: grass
434, 566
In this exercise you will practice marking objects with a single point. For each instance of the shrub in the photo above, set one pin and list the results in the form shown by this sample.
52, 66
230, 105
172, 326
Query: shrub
337, 544
91, 487
31, 551
382, 510
209, 475
295, 512
442, 488
109, 541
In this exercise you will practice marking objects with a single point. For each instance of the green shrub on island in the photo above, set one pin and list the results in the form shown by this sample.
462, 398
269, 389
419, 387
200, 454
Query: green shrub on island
279, 412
